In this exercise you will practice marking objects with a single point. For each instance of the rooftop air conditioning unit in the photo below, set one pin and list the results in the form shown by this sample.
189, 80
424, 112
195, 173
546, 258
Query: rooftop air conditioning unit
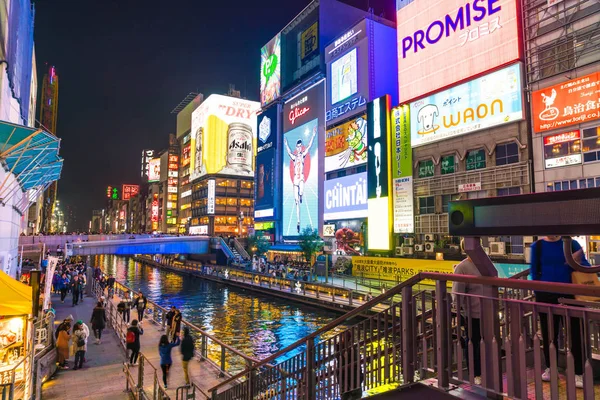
429, 246
408, 251
429, 237
419, 247
497, 248
398, 251
409, 241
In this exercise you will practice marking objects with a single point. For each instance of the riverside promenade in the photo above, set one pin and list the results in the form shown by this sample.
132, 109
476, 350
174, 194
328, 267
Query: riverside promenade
104, 374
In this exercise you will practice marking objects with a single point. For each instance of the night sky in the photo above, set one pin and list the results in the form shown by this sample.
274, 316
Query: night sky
123, 65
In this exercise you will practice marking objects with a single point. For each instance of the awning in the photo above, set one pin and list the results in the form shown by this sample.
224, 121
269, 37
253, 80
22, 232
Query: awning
15, 297
31, 155
285, 247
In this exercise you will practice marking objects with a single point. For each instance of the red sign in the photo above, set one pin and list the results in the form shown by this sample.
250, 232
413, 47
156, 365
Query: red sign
296, 113
129, 191
109, 191
154, 216
173, 158
568, 103
561, 138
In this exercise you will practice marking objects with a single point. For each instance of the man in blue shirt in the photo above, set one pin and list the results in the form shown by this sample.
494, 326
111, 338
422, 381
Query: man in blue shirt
548, 264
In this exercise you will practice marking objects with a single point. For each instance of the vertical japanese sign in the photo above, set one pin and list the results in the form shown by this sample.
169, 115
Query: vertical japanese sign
402, 171
129, 191
378, 173
210, 208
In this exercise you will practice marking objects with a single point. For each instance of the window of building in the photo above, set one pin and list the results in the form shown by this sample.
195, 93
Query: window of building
427, 205
562, 149
507, 153
361, 168
425, 168
448, 164
557, 57
514, 244
591, 144
509, 191
475, 159
584, 183
448, 198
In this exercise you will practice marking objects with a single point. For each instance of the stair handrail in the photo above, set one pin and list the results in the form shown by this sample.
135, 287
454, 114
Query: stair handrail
240, 249
553, 287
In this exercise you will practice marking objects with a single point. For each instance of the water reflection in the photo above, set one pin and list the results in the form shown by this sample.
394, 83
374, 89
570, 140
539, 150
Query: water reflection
255, 324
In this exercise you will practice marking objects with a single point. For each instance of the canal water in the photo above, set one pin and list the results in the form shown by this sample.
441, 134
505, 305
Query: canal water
257, 325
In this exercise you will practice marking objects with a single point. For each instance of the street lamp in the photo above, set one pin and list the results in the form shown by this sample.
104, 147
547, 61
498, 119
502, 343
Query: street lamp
241, 222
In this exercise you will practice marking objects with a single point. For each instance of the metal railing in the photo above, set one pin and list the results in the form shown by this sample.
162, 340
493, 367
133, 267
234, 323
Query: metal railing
142, 380
401, 345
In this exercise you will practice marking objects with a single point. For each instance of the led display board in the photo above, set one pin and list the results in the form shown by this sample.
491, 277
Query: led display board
268, 128
146, 157
344, 77
482, 103
270, 71
265, 180
346, 145
301, 47
154, 170
378, 173
345, 197
443, 42
303, 118
568, 103
223, 137
129, 191
402, 182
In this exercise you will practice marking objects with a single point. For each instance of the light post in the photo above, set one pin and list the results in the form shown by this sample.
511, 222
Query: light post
241, 222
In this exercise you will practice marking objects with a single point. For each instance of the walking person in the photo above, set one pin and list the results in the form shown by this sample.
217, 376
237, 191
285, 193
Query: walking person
75, 288
98, 321
110, 283
169, 317
63, 285
176, 325
62, 344
548, 264
79, 344
164, 349
82, 284
133, 341
140, 304
471, 322
187, 353
127, 306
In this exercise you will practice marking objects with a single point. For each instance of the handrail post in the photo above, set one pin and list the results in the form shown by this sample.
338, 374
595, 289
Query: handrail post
203, 348
350, 299
310, 370
141, 373
408, 335
222, 372
442, 330
164, 320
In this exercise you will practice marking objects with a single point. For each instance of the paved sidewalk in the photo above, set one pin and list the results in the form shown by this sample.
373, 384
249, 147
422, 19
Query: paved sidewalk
102, 374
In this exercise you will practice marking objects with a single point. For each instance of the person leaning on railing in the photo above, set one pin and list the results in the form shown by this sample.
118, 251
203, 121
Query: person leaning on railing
471, 315
548, 264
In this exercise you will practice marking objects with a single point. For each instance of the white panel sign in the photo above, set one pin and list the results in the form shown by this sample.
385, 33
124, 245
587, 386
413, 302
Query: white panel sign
404, 221
211, 197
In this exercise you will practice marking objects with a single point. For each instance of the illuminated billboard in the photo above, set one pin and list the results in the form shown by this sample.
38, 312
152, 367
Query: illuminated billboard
223, 137
482, 103
265, 181
568, 103
303, 119
345, 197
402, 182
146, 157
268, 128
344, 77
378, 174
443, 42
129, 191
154, 170
346, 145
270, 71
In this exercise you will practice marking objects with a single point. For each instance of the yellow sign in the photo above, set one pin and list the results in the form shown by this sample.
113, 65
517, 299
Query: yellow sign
400, 269
310, 41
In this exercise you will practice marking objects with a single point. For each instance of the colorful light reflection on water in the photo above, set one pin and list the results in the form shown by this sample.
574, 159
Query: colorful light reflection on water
255, 324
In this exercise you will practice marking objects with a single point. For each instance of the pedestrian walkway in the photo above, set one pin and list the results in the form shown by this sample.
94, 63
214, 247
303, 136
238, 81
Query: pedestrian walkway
102, 374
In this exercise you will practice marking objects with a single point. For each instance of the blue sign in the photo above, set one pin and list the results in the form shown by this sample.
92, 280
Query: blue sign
268, 124
265, 180
346, 197
356, 103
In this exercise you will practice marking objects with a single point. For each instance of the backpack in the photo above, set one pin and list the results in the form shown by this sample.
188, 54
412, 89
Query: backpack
130, 339
121, 307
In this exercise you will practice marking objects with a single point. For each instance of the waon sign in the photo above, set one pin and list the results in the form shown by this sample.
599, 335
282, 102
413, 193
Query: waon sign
569, 103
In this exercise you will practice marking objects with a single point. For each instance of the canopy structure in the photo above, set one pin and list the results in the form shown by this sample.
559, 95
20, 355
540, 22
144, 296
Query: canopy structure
31, 155
15, 297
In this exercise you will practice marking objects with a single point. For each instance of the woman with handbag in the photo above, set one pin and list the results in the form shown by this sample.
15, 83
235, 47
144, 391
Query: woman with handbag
79, 344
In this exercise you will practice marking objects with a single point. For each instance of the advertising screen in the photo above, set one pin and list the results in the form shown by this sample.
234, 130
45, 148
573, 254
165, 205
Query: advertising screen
402, 171
482, 103
301, 47
154, 170
303, 118
265, 180
223, 137
568, 103
346, 197
443, 42
346, 145
378, 173
344, 77
270, 71
129, 191
146, 157
268, 128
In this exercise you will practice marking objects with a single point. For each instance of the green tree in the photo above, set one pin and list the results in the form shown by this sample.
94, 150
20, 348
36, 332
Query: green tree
257, 244
310, 243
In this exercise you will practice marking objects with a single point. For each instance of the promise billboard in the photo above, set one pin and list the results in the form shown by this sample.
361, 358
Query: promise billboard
444, 42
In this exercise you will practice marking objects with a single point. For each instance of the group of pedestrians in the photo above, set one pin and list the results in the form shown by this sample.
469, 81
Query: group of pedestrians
69, 278
74, 342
